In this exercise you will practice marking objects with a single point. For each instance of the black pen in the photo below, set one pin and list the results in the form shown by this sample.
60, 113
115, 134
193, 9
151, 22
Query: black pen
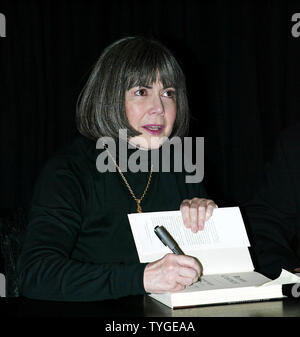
166, 238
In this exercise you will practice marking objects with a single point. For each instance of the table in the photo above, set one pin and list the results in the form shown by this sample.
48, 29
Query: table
144, 306
151, 317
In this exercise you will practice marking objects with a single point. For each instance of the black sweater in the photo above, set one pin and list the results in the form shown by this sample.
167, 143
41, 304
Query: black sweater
79, 245
274, 213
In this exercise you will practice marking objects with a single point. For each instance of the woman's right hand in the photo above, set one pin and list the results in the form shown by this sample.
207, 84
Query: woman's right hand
171, 273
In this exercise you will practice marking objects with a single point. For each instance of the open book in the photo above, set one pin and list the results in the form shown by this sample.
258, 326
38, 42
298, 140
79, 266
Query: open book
222, 248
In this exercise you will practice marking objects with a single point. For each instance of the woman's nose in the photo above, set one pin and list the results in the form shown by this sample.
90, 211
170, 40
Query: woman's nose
157, 106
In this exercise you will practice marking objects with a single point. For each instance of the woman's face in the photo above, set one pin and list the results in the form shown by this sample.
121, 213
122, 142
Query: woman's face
151, 110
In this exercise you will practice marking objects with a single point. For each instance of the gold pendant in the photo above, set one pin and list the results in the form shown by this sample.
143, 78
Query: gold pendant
139, 208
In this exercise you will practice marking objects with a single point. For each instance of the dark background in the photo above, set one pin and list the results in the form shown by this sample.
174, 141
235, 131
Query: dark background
240, 59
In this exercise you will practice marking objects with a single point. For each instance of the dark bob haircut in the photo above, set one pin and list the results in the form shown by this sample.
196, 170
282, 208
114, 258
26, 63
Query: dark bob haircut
129, 62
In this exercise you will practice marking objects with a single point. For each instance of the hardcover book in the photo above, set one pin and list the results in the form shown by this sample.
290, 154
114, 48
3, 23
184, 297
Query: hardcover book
223, 250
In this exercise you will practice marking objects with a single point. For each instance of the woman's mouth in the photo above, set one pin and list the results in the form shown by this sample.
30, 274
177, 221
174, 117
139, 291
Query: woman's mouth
154, 129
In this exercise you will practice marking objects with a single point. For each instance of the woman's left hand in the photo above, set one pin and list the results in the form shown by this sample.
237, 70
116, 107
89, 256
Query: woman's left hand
195, 212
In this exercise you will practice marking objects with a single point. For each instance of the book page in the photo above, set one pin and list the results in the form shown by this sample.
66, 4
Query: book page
228, 280
285, 277
223, 260
225, 229
222, 247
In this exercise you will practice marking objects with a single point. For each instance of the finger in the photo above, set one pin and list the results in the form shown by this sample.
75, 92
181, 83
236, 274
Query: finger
210, 209
194, 215
188, 272
185, 213
190, 262
178, 287
202, 203
185, 281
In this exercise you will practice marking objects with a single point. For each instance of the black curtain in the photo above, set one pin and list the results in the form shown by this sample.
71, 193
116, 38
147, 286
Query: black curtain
240, 58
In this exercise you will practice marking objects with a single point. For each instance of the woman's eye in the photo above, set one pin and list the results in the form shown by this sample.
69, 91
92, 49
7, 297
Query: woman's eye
141, 92
169, 93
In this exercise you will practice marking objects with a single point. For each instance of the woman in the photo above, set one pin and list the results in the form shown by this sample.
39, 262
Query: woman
79, 245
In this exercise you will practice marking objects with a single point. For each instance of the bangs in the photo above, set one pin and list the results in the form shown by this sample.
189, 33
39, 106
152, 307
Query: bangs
149, 65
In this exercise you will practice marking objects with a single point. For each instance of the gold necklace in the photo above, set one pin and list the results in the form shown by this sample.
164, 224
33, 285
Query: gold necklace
137, 200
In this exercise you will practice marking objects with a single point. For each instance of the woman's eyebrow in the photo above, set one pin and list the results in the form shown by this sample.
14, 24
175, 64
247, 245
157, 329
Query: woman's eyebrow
150, 87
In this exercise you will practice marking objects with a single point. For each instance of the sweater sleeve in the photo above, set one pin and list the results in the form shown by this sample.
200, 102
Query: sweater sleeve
272, 217
45, 268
